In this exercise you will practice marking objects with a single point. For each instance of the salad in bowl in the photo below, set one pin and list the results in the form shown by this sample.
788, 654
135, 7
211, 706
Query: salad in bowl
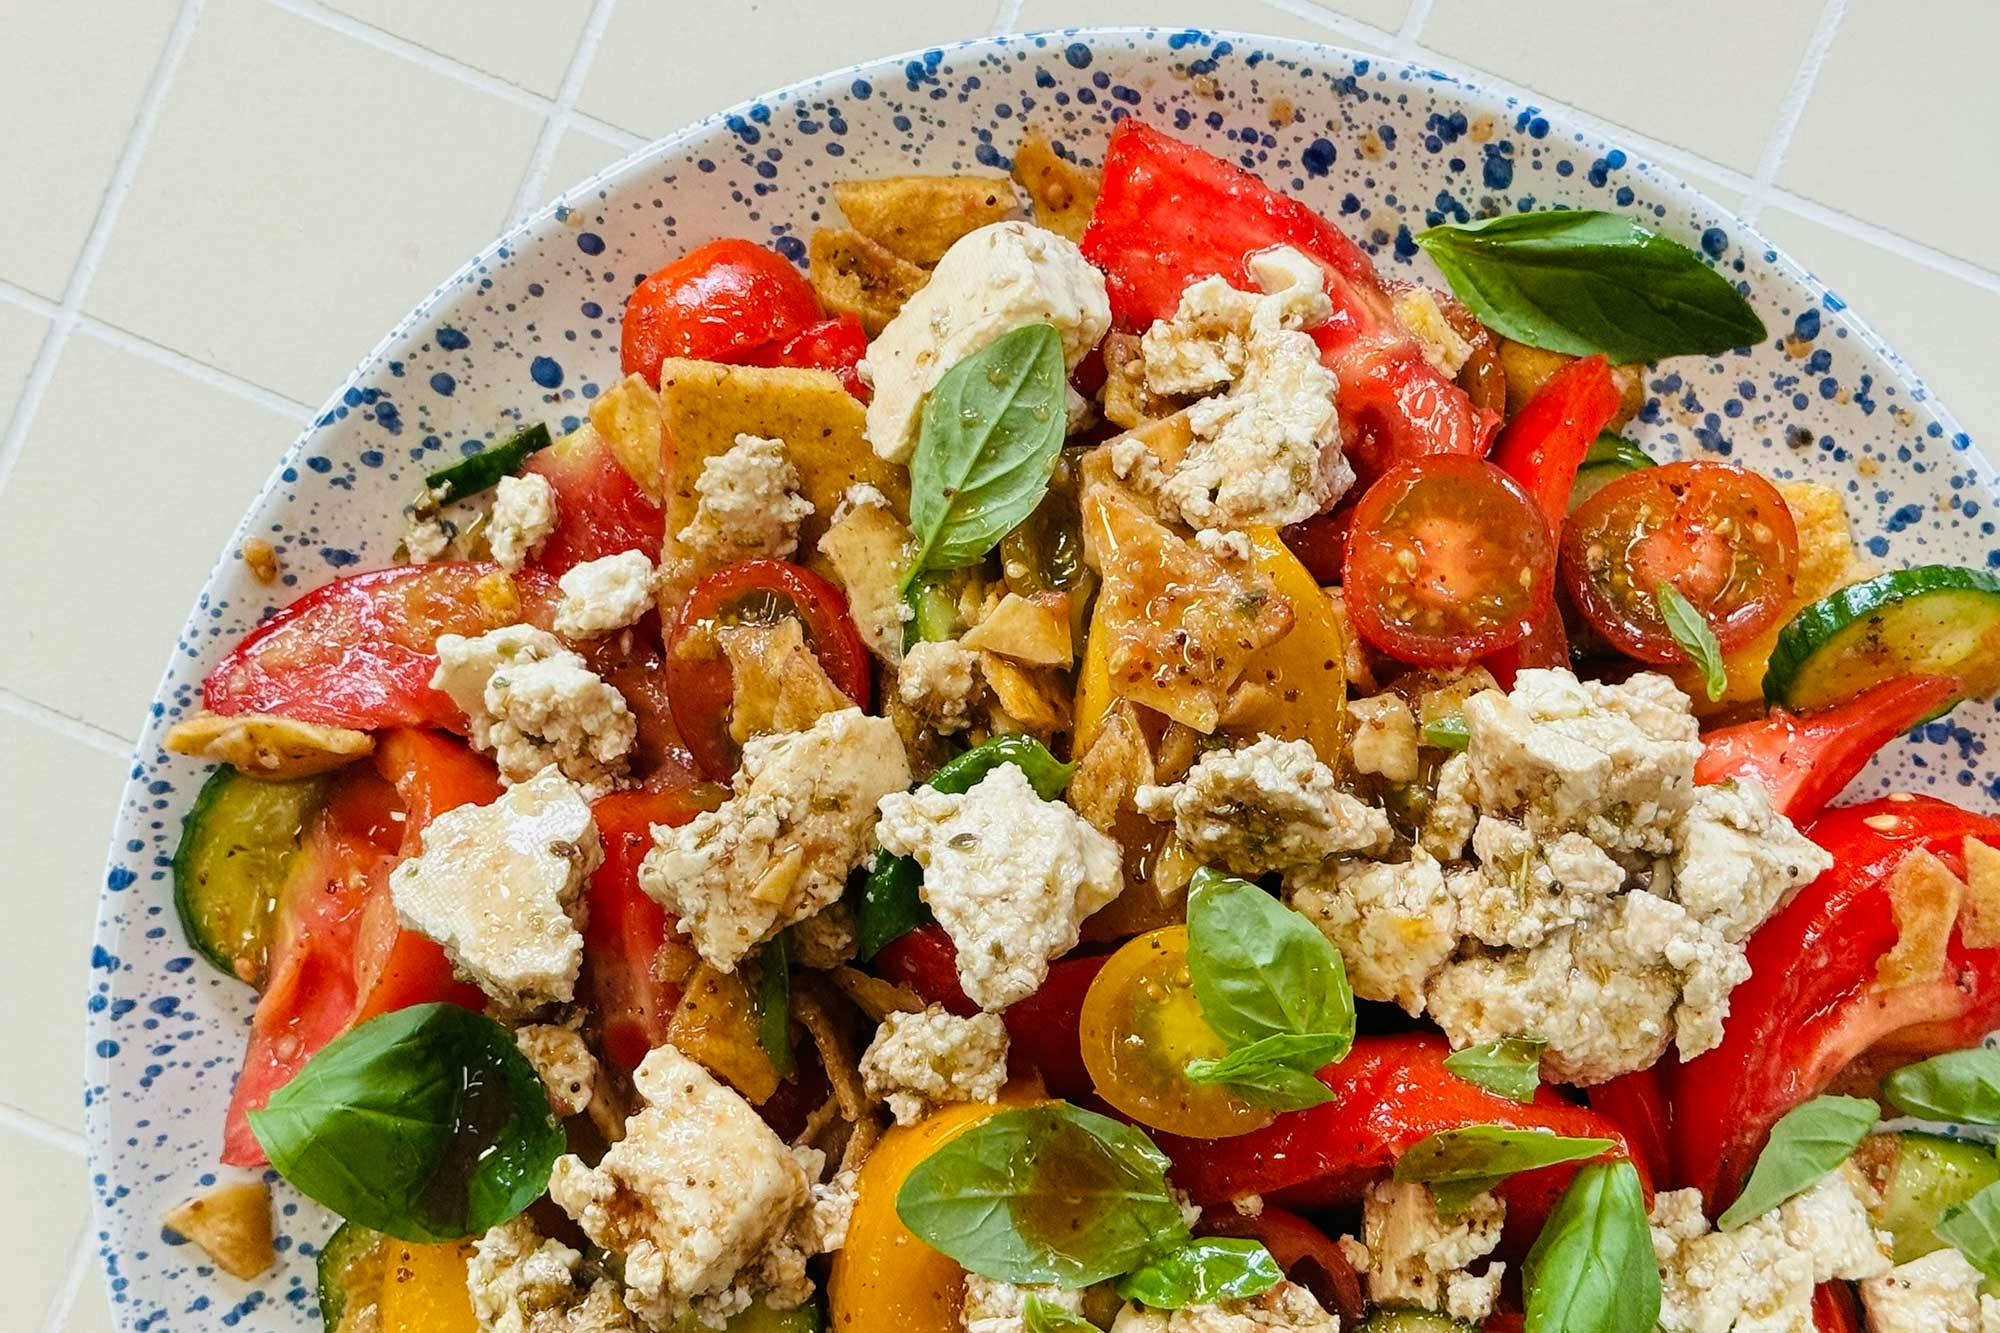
1088, 760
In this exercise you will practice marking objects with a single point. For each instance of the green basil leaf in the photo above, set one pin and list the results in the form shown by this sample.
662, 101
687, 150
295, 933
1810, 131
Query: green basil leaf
1592, 1268
1582, 282
1044, 1194
1277, 1088
1808, 1141
1202, 1272
1447, 733
1260, 969
1276, 1072
427, 1124
1039, 1315
1690, 630
1511, 1067
1963, 1086
992, 429
1048, 775
774, 1001
1460, 1163
1973, 1228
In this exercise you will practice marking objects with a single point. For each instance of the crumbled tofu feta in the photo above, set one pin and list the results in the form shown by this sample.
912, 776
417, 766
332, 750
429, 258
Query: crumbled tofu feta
1938, 1293
991, 1306
1418, 311
563, 1059
1525, 889
1009, 876
941, 683
1200, 348
1384, 737
781, 848
1285, 1308
992, 281
600, 596
1411, 1256
694, 1193
860, 495
531, 702
1270, 805
1394, 924
748, 504
918, 1061
427, 536
524, 514
514, 1275
1737, 860
496, 884
1224, 544
1452, 815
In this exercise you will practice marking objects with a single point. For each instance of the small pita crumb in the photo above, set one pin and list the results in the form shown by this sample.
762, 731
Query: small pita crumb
232, 1225
261, 559
1979, 914
1062, 192
266, 746
1925, 896
852, 275
920, 217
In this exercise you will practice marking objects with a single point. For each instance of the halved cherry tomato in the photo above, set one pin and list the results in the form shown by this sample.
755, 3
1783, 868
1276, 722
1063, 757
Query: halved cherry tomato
1448, 560
1721, 535
699, 684
600, 509
717, 302
1307, 1255
1141, 1025
836, 344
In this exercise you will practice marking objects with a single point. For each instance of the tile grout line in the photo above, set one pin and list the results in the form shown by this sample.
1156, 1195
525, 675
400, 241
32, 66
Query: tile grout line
443, 66
1892, 242
1413, 22
192, 368
1007, 18
1793, 109
81, 1261
26, 300
69, 309
15, 704
41, 1131
557, 122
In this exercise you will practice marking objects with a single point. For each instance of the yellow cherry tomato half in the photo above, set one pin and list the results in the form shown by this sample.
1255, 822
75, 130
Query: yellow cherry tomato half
1141, 1026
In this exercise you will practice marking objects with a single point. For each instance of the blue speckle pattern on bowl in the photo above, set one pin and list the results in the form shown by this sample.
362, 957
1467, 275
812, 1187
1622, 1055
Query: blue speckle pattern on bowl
528, 331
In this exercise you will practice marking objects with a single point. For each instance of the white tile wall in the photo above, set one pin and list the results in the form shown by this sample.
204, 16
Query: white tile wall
169, 227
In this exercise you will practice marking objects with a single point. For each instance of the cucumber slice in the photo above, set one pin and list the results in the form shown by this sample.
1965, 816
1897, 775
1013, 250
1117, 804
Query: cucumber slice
483, 470
237, 844
1919, 1176
1608, 458
1409, 1319
760, 1318
350, 1276
1936, 620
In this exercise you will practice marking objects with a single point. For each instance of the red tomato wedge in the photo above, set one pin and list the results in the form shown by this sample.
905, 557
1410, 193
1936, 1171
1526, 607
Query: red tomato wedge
600, 509
1637, 1104
1721, 535
1448, 560
717, 302
699, 684
836, 344
1170, 214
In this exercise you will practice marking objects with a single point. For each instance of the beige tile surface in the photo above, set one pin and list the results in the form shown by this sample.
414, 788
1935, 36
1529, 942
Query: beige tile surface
37, 1233
21, 335
64, 134
526, 42
92, 1311
1635, 62
1233, 15
1900, 128
137, 530
291, 166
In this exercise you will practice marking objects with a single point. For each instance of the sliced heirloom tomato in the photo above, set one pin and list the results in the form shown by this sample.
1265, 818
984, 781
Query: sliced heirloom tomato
600, 508
700, 686
722, 301
1811, 1004
1721, 535
1448, 560
1170, 214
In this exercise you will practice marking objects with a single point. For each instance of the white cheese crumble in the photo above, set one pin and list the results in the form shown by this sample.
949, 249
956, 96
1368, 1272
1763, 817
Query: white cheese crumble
992, 1306
1009, 876
426, 536
992, 281
1285, 1308
524, 514
940, 682
600, 596
515, 1275
1394, 924
780, 849
1938, 1293
1409, 1255
1383, 740
1221, 543
919, 1061
1737, 860
1268, 806
530, 702
563, 1060
496, 886
747, 505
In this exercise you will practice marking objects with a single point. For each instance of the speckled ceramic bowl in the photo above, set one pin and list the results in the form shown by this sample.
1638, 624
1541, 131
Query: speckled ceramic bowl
528, 331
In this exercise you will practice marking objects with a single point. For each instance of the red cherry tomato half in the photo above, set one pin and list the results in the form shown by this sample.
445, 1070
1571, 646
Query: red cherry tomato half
717, 302
1721, 535
835, 345
1448, 559
700, 688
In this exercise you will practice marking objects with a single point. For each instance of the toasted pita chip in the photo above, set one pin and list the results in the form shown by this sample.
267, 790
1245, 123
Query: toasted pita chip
264, 745
1979, 914
1063, 192
1127, 400
1032, 698
866, 551
716, 1027
1925, 896
232, 1225
1032, 630
920, 217
852, 275
627, 417
779, 685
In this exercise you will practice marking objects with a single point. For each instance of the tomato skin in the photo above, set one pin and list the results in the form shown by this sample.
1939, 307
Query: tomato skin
1320, 543
1544, 444
1308, 1255
717, 302
1637, 1103
1836, 1309
1722, 535
699, 684
836, 344
600, 509
1448, 560
1805, 761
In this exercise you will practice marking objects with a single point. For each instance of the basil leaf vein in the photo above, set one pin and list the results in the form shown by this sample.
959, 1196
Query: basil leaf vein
1593, 1267
1962, 1086
1458, 1164
1973, 1228
1690, 630
1041, 1315
1511, 1067
1202, 1272
1808, 1141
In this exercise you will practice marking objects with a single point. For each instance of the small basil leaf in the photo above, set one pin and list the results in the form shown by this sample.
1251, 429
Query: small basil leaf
1272, 1087
1039, 1315
774, 1002
991, 431
1962, 1086
1511, 1067
1973, 1228
1048, 775
427, 1124
1202, 1272
1260, 969
1460, 1163
1808, 1141
1592, 1269
1044, 1194
1447, 733
1277, 1072
1581, 282
1690, 630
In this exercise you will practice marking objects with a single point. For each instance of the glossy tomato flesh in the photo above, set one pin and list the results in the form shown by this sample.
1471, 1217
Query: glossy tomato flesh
717, 302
